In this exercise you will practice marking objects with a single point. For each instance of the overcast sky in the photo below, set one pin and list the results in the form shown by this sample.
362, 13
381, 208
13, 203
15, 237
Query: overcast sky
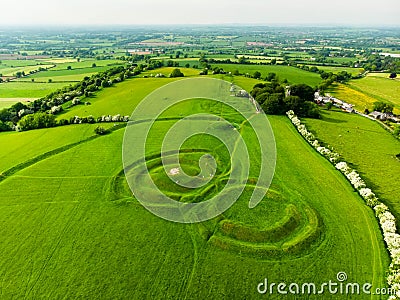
62, 12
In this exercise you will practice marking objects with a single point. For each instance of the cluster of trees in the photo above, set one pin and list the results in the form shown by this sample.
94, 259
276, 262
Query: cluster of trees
37, 120
176, 73
275, 99
329, 78
383, 107
376, 62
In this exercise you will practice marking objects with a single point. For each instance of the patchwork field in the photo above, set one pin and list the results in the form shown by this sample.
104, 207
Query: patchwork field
16, 89
12, 71
96, 239
382, 89
352, 71
293, 75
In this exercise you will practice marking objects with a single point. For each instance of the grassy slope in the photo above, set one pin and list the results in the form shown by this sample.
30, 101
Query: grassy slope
293, 75
383, 89
119, 99
27, 89
26, 145
74, 242
368, 146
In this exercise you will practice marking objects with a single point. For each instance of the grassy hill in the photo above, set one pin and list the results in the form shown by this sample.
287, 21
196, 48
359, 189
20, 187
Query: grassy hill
71, 228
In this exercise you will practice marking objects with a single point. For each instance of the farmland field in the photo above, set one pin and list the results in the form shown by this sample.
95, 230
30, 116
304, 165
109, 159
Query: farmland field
352, 71
16, 89
12, 71
98, 240
293, 75
121, 99
8, 102
382, 89
363, 93
87, 64
370, 148
64, 72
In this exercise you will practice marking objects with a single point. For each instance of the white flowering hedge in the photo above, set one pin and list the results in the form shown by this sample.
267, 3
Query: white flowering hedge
386, 219
310, 138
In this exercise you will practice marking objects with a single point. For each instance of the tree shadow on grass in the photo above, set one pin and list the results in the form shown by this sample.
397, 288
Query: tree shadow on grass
325, 117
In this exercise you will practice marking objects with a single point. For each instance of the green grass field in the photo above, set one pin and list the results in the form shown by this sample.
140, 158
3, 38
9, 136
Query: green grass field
86, 63
21, 63
8, 102
71, 229
15, 89
352, 71
166, 71
293, 75
12, 71
64, 72
363, 93
370, 148
119, 99
381, 89
58, 77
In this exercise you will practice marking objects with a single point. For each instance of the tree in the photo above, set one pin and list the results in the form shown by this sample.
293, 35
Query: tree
5, 115
273, 105
270, 76
4, 126
261, 98
393, 75
100, 130
293, 103
38, 120
303, 91
69, 68
176, 73
17, 107
383, 107
329, 105
242, 60
310, 110
257, 75
94, 65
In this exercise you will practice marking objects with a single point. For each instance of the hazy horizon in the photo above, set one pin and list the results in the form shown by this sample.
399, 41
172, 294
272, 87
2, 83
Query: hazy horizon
208, 12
